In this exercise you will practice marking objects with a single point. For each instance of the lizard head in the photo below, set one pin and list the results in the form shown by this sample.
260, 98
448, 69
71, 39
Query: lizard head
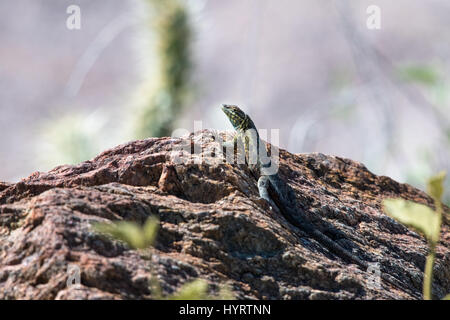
237, 117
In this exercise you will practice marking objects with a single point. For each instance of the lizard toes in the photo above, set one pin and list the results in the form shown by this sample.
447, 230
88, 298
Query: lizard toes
264, 203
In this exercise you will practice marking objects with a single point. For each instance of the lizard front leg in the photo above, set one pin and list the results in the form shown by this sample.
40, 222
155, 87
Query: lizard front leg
232, 142
235, 150
263, 188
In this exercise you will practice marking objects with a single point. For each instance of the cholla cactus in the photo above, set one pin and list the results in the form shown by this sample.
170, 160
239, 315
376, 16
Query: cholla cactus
167, 98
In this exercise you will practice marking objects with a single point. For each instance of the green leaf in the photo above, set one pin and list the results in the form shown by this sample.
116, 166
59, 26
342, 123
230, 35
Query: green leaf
420, 74
436, 186
416, 215
127, 232
225, 293
150, 229
131, 233
195, 290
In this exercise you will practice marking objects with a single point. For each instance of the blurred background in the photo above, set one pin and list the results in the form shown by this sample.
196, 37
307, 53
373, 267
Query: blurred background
313, 69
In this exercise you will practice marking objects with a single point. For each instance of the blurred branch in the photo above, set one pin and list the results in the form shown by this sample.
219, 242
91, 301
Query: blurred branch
415, 97
367, 66
94, 50
382, 76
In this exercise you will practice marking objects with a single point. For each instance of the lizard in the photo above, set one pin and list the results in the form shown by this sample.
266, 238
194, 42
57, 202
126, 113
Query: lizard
278, 193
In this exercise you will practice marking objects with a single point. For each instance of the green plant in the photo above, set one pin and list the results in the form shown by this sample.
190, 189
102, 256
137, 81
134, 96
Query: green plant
423, 74
425, 220
69, 139
135, 236
78, 136
164, 101
142, 238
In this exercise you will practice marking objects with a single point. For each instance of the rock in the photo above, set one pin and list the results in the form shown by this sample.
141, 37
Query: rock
212, 226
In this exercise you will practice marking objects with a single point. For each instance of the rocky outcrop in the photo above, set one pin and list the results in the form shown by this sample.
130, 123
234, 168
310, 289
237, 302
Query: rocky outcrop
212, 226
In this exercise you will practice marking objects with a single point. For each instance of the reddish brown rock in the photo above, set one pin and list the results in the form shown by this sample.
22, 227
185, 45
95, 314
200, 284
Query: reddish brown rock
213, 226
